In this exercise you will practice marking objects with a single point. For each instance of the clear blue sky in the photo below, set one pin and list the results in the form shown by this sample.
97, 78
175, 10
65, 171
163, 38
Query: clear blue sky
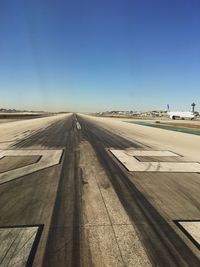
95, 55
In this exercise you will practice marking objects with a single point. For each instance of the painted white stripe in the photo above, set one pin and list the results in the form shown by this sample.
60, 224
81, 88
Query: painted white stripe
16, 244
192, 228
132, 164
150, 153
48, 158
78, 125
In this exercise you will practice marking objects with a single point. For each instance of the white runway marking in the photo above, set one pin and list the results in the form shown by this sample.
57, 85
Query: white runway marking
78, 125
16, 244
152, 153
48, 158
127, 158
192, 230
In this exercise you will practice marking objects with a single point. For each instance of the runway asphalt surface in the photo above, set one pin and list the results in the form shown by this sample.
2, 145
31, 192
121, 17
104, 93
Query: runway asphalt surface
89, 209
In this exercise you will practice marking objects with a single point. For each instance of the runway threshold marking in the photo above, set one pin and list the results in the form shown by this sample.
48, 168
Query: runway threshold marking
191, 229
48, 158
127, 158
18, 245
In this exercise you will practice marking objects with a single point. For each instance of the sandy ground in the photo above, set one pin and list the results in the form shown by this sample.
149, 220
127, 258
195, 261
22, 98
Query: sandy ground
6, 120
185, 144
178, 123
162, 120
181, 122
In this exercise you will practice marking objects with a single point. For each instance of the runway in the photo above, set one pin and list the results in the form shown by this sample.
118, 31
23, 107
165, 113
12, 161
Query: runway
69, 200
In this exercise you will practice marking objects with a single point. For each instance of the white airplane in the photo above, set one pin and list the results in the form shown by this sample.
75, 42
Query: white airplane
181, 114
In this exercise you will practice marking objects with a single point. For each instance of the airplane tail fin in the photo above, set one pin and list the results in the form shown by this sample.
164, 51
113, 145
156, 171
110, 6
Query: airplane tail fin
167, 107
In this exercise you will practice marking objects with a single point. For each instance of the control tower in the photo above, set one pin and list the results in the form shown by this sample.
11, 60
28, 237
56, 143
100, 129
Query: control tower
193, 106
